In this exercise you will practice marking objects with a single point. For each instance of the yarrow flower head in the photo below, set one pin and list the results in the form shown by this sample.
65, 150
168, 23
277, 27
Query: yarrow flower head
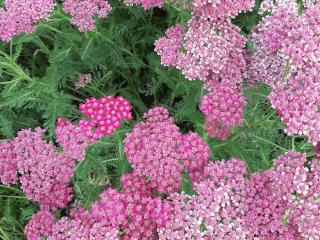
104, 115
8, 164
39, 226
83, 12
83, 80
73, 141
157, 150
212, 51
223, 109
215, 10
132, 213
216, 211
44, 172
20, 16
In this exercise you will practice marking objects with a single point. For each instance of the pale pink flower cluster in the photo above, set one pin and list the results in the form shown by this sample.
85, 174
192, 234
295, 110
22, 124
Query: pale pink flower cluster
273, 5
212, 51
157, 150
216, 212
104, 115
84, 11
220, 9
223, 109
83, 80
283, 202
21, 16
146, 4
286, 57
8, 165
73, 141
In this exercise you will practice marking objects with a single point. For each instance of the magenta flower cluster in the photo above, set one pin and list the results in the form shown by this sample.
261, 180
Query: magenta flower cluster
44, 172
223, 109
286, 57
83, 11
104, 115
157, 150
20, 16
133, 213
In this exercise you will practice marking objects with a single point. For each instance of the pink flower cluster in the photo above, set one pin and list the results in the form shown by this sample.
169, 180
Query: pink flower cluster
281, 203
286, 57
216, 212
223, 109
146, 4
157, 150
73, 141
43, 172
83, 80
220, 9
131, 214
83, 12
8, 165
104, 115
20, 16
212, 51
284, 202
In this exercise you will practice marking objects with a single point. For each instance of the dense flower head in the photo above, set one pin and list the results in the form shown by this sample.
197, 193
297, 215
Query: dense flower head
8, 164
44, 172
215, 212
297, 105
70, 137
194, 154
220, 9
146, 4
20, 16
132, 213
223, 108
272, 6
83, 12
282, 202
39, 226
157, 150
212, 51
83, 80
104, 115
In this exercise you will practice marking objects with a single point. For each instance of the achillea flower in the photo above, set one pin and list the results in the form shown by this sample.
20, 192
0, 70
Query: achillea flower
146, 4
131, 214
73, 141
212, 51
223, 109
83, 80
8, 164
21, 16
83, 12
158, 151
44, 172
39, 226
104, 116
216, 211
220, 9
297, 106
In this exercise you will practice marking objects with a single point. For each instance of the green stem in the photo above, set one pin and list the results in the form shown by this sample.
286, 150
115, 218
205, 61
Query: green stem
271, 143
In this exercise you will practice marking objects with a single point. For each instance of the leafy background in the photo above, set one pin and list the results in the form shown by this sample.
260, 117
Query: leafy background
38, 72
